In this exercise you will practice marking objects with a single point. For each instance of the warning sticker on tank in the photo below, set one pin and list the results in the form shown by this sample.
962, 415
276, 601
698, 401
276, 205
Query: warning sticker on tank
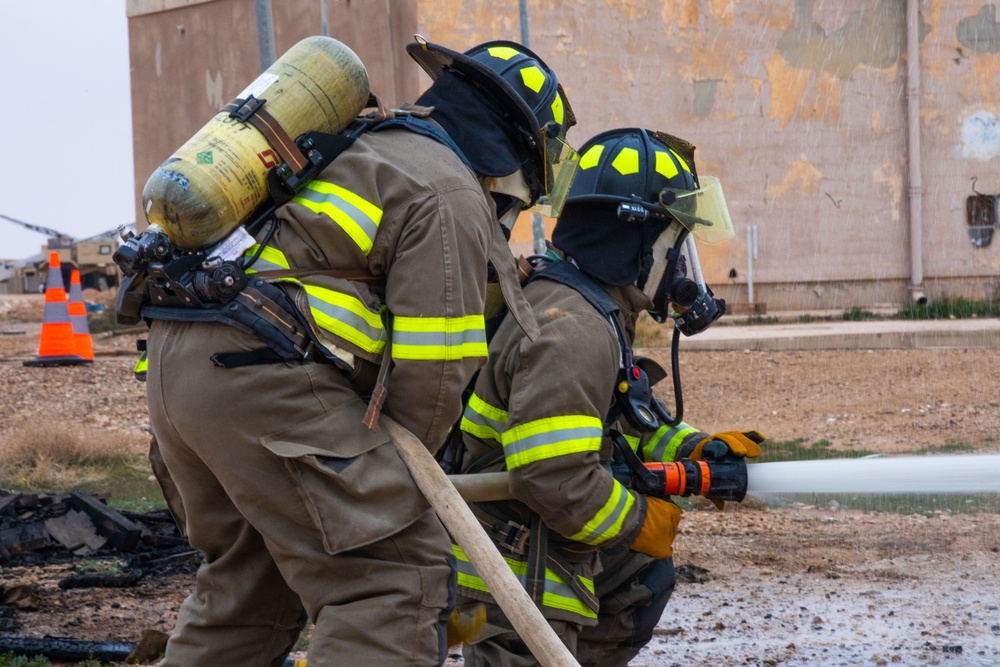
260, 84
234, 245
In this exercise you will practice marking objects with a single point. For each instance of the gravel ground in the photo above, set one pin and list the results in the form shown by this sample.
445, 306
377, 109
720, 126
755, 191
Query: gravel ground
790, 583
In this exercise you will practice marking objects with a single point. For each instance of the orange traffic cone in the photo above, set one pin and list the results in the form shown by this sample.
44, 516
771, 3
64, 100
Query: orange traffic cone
78, 318
57, 346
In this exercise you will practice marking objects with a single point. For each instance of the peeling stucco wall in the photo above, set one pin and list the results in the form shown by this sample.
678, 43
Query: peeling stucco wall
799, 106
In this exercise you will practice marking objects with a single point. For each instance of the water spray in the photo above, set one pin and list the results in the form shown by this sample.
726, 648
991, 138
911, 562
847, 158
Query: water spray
722, 476
964, 474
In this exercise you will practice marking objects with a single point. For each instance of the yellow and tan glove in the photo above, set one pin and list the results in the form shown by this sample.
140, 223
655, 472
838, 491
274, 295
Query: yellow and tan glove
745, 444
656, 537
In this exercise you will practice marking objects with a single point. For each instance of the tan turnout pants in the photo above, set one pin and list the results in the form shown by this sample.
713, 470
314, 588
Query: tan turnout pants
296, 506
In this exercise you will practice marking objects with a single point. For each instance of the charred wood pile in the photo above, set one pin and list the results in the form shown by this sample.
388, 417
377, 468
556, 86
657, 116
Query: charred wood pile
39, 527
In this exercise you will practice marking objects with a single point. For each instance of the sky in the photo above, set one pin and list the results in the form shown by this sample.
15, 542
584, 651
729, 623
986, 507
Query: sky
65, 120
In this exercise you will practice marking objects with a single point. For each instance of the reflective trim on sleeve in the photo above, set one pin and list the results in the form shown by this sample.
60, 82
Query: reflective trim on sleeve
632, 440
662, 446
438, 338
607, 523
482, 420
551, 437
271, 259
558, 594
341, 314
346, 316
357, 217
141, 367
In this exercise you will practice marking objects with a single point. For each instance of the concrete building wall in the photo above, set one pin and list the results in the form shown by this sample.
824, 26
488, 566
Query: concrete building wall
799, 106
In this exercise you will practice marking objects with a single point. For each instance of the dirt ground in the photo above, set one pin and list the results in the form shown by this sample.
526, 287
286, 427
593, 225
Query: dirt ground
794, 584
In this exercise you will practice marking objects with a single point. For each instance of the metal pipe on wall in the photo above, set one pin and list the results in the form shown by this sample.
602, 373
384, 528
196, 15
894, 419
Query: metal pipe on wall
537, 223
913, 150
265, 34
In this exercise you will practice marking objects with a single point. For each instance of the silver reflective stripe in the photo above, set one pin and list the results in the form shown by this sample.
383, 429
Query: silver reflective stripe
347, 317
663, 445
482, 420
357, 217
558, 594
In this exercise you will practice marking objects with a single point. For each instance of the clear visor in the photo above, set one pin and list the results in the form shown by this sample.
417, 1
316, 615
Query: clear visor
561, 161
703, 212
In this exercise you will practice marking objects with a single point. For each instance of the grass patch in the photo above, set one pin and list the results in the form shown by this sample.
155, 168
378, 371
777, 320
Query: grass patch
761, 319
946, 309
56, 458
798, 450
11, 660
856, 314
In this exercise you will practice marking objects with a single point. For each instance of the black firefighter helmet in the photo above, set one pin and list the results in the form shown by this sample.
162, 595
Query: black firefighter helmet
528, 93
635, 198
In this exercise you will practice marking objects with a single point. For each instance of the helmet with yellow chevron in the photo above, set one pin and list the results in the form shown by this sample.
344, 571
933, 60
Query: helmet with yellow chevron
630, 215
529, 96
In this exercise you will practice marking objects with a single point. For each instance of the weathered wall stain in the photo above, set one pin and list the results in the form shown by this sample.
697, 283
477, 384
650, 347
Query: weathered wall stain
890, 173
981, 136
809, 92
801, 175
704, 97
980, 33
869, 37
788, 84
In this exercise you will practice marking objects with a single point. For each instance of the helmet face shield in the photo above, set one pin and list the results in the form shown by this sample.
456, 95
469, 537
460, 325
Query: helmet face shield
703, 211
561, 161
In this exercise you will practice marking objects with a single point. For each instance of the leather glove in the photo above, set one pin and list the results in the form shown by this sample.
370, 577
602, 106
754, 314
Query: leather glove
464, 626
656, 537
745, 444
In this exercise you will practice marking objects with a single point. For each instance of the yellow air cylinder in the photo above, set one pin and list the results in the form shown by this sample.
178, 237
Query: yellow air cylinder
209, 186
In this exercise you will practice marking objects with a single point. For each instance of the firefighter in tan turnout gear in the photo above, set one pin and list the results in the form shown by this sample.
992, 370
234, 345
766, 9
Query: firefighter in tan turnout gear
594, 554
278, 467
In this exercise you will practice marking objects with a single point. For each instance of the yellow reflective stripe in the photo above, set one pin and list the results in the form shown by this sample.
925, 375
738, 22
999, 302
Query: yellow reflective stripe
607, 523
684, 164
558, 113
632, 440
483, 420
662, 447
627, 161
346, 316
665, 165
438, 338
551, 437
271, 259
502, 52
591, 157
558, 594
357, 217
533, 78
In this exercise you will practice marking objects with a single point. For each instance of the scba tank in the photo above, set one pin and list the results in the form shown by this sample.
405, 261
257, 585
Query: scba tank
215, 180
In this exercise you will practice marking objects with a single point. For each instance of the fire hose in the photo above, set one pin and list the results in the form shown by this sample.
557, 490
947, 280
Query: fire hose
718, 476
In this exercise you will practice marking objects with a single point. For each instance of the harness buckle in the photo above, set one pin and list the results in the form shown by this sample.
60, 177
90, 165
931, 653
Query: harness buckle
515, 538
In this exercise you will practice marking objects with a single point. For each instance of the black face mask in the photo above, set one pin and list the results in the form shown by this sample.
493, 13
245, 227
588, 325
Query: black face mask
696, 309
491, 143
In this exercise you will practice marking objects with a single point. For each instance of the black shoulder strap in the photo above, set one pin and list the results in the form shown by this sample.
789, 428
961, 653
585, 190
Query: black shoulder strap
424, 127
564, 272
